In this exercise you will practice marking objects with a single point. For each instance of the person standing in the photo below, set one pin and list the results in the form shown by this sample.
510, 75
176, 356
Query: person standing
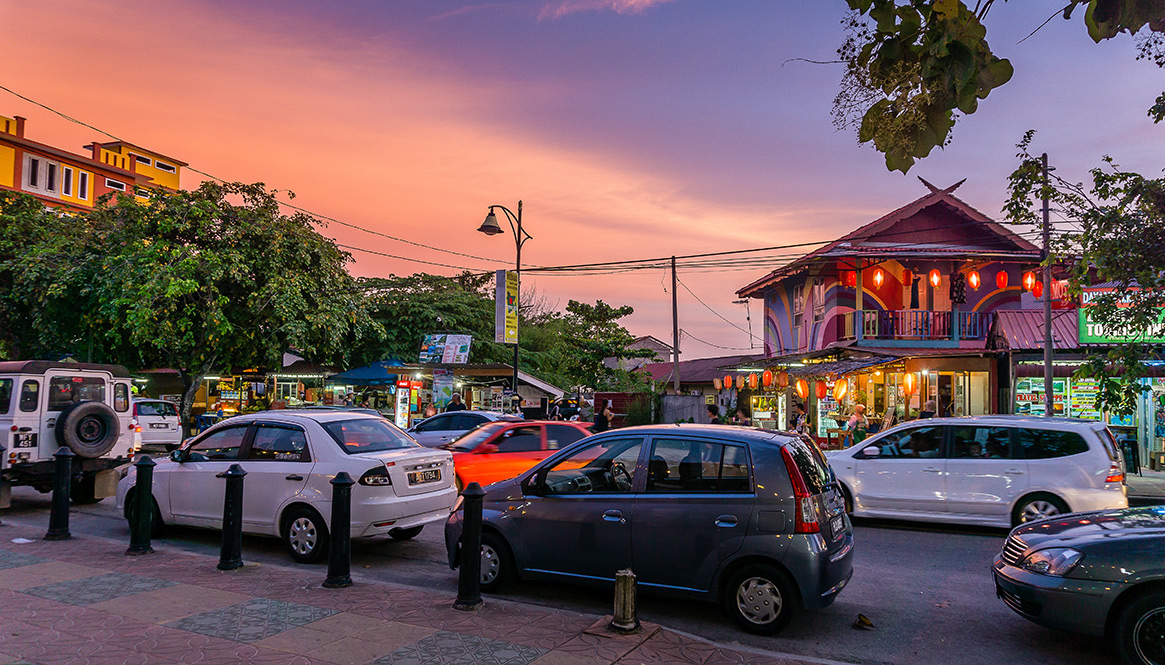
858, 424
455, 403
800, 420
602, 417
928, 409
714, 415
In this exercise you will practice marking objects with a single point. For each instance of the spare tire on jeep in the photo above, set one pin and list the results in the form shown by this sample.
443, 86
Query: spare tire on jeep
89, 429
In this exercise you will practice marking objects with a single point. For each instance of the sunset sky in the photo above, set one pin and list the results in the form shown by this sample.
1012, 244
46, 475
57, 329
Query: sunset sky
630, 129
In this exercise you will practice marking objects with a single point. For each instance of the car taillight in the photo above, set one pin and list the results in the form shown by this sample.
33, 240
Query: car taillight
376, 476
135, 410
1115, 474
806, 514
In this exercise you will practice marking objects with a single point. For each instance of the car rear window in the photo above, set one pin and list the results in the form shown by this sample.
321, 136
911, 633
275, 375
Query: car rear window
67, 390
1049, 443
812, 465
473, 438
5, 395
368, 435
161, 409
1111, 446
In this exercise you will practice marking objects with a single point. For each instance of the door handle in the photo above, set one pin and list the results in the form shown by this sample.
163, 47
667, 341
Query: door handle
1013, 472
726, 521
614, 516
931, 469
294, 476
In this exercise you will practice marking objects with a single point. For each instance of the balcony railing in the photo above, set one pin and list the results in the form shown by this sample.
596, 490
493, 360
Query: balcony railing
913, 324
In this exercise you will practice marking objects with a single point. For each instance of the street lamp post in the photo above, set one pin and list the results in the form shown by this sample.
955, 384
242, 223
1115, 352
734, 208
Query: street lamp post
490, 227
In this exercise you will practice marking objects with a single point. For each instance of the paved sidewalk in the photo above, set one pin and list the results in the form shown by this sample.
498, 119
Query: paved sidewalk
83, 601
1150, 485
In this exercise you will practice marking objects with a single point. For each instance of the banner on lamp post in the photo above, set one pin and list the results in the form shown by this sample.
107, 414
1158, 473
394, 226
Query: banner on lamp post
506, 307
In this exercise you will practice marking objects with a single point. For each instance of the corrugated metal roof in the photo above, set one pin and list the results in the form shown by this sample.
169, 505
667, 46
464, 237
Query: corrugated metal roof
1023, 330
702, 370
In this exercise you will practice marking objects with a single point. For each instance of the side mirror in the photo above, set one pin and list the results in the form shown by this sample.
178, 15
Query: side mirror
487, 448
871, 451
535, 485
176, 455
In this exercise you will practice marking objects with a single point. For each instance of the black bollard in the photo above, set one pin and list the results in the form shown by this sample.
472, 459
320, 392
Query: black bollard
231, 556
62, 481
469, 579
143, 523
340, 545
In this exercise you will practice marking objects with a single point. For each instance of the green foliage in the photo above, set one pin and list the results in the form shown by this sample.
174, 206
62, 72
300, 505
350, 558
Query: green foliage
594, 334
912, 64
644, 408
1121, 241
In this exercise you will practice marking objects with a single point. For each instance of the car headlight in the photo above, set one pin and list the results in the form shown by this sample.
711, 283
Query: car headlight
1054, 561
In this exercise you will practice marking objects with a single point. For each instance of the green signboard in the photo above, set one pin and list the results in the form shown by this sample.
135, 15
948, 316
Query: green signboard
1098, 333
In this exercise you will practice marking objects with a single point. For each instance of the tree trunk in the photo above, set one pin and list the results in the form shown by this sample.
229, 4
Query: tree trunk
190, 383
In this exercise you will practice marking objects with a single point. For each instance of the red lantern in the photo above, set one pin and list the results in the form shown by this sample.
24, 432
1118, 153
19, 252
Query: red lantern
716, 383
1001, 279
1029, 280
849, 278
909, 384
907, 277
752, 381
740, 382
936, 278
1038, 289
973, 279
822, 391
783, 380
728, 382
802, 388
879, 277
766, 379
840, 389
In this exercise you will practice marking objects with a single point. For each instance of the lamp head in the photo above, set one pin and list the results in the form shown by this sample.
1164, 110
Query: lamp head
490, 226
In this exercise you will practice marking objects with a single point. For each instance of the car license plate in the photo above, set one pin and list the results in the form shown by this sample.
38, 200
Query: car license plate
837, 526
159, 426
24, 440
422, 477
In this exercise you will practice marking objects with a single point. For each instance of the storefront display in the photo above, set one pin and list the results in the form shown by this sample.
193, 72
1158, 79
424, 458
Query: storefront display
768, 411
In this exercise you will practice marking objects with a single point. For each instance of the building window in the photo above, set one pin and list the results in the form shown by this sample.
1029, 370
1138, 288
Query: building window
33, 171
798, 304
50, 177
141, 160
141, 192
114, 184
67, 184
83, 186
818, 298
163, 166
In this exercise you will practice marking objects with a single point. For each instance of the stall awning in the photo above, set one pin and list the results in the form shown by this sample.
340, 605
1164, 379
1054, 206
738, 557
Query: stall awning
838, 368
379, 373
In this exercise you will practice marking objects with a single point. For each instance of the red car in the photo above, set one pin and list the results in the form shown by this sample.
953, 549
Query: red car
501, 450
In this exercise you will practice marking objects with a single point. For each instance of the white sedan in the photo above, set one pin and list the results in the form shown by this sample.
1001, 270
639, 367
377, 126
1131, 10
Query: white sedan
290, 458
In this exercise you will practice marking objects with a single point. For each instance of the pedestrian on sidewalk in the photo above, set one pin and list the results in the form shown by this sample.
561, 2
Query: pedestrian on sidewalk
714, 415
602, 417
857, 426
455, 403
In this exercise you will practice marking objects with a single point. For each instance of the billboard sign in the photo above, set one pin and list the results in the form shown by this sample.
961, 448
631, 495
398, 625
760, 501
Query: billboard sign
506, 307
447, 349
1092, 332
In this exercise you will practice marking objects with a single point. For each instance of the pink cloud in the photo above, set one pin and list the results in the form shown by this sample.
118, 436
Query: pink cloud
560, 8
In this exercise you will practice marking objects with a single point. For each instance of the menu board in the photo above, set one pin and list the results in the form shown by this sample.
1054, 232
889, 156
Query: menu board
1082, 400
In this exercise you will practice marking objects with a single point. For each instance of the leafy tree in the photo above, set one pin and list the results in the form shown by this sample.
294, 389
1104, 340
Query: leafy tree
1120, 242
910, 65
196, 281
593, 334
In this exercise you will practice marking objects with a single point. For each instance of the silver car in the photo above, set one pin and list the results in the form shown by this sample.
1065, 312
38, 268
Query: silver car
750, 518
436, 431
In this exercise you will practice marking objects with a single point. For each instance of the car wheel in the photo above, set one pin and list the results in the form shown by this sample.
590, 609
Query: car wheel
497, 563
848, 498
1139, 630
305, 535
405, 534
1037, 507
157, 526
761, 599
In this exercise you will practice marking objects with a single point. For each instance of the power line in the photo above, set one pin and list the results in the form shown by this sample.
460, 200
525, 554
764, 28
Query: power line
689, 335
751, 336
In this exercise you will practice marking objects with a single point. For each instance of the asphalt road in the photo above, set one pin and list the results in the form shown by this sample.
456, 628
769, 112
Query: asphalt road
928, 590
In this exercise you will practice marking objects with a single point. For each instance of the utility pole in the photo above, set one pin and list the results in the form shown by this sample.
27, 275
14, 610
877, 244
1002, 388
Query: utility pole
1047, 298
675, 330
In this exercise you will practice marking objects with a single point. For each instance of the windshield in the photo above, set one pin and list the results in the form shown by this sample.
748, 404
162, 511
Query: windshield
368, 435
474, 437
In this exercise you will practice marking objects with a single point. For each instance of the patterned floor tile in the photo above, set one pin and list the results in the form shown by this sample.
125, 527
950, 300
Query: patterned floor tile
40, 574
446, 648
89, 590
731, 657
666, 647
598, 647
252, 620
17, 559
169, 603
560, 658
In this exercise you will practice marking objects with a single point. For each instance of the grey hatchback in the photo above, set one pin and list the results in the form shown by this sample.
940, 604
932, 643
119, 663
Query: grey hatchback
748, 517
1099, 573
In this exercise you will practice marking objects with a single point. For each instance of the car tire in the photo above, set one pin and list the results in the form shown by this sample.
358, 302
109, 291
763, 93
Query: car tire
1138, 630
89, 429
847, 498
157, 526
83, 492
497, 563
305, 535
405, 534
1037, 507
761, 599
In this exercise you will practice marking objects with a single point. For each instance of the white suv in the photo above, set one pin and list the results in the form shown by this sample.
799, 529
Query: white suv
989, 470
84, 407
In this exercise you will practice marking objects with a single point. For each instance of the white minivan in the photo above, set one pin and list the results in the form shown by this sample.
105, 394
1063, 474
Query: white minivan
158, 424
987, 470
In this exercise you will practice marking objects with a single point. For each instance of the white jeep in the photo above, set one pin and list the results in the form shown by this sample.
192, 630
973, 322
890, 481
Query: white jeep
45, 405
